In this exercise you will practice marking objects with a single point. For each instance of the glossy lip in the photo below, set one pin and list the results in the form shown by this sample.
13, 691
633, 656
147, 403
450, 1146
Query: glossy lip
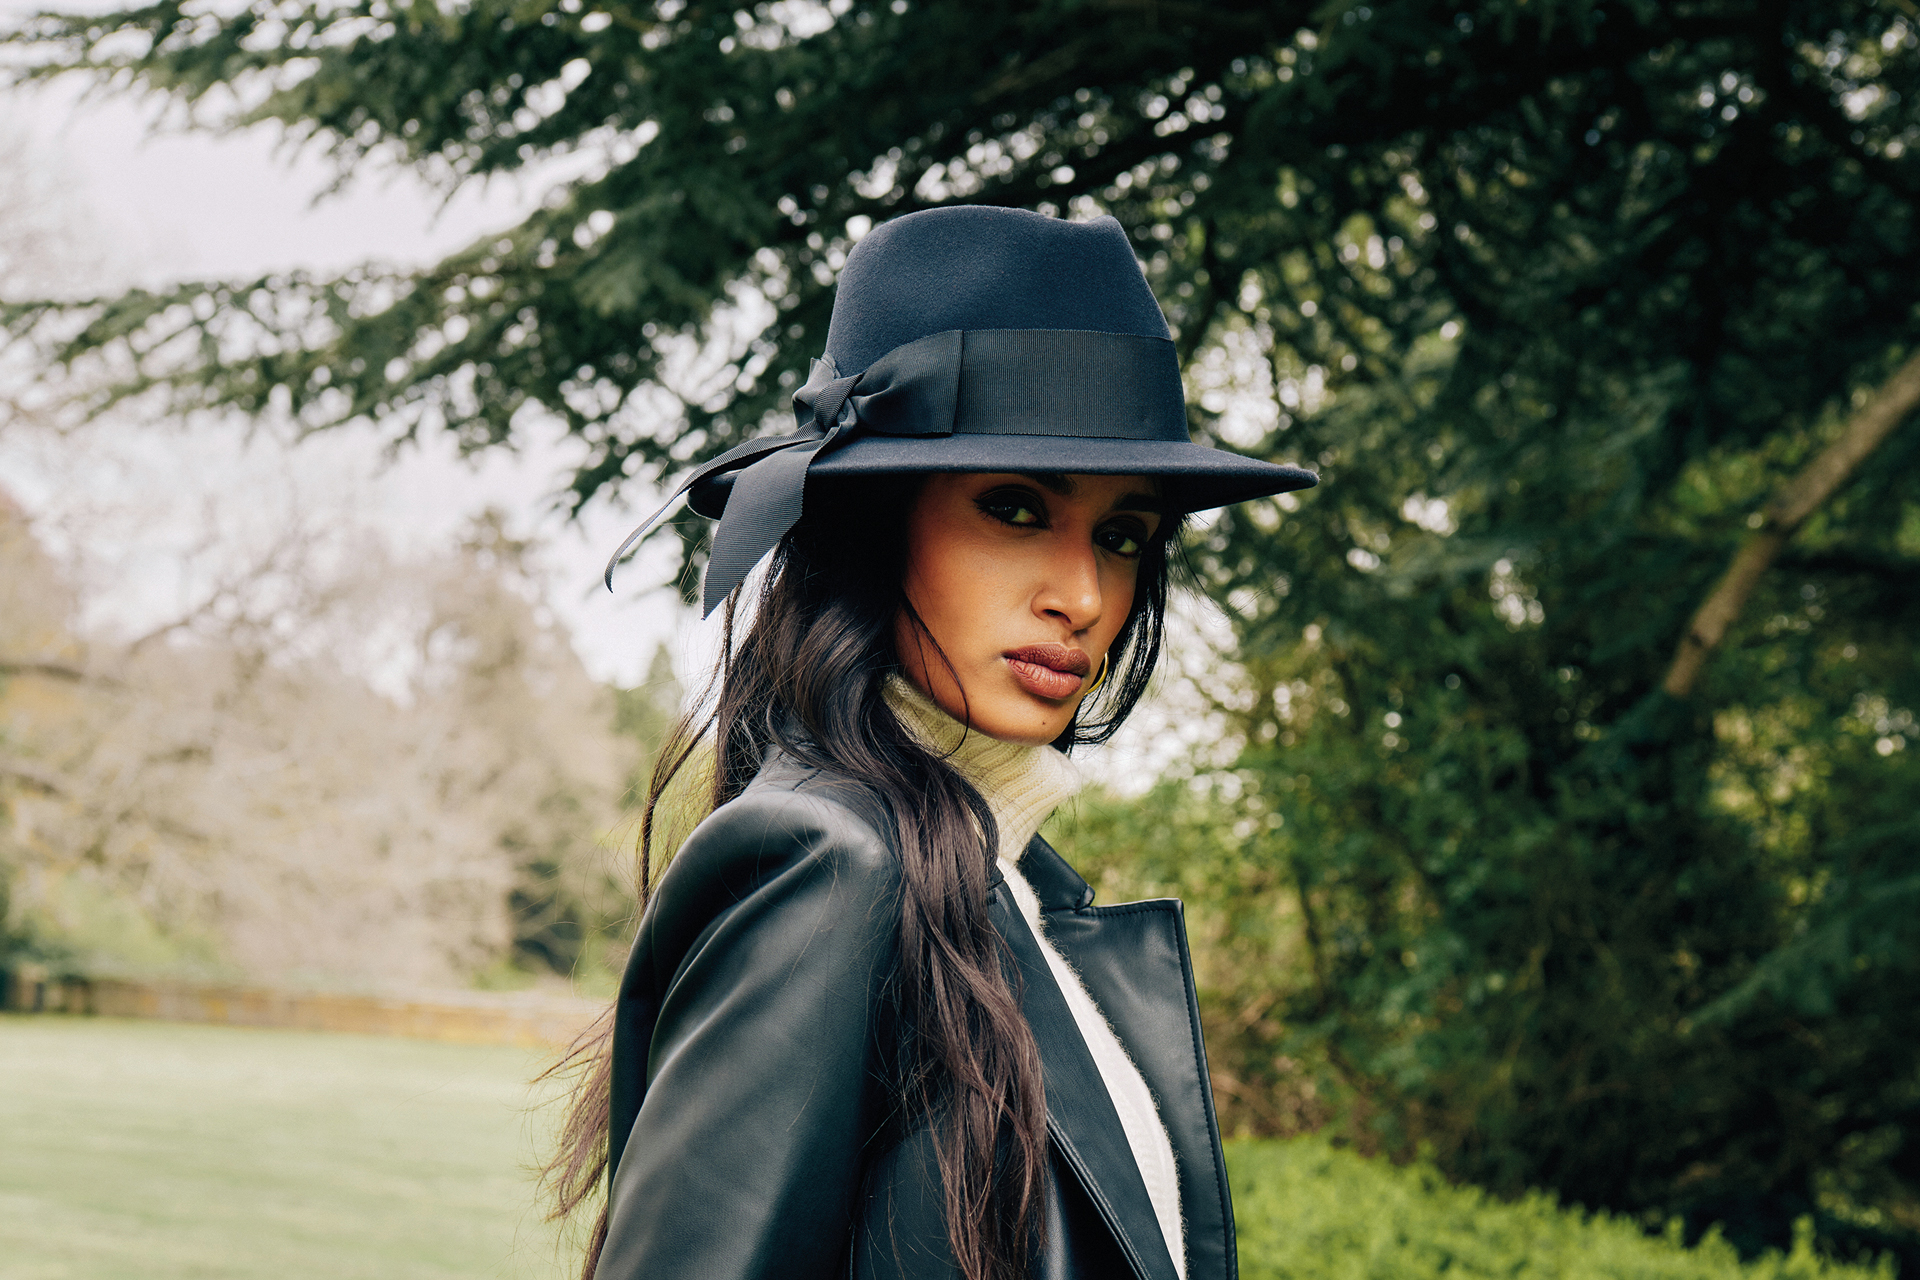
1055, 657
1050, 671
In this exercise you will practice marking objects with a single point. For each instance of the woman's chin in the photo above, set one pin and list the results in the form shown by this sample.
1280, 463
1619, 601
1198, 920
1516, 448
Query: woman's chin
1022, 718
1004, 710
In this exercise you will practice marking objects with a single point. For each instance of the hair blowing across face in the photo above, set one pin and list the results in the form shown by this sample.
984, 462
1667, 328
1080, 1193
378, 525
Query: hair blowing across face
808, 676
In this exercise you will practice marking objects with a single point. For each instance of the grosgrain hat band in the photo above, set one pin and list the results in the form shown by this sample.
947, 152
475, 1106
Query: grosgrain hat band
1011, 382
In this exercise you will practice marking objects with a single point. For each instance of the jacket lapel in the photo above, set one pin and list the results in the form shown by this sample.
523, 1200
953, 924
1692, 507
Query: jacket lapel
1133, 960
1081, 1118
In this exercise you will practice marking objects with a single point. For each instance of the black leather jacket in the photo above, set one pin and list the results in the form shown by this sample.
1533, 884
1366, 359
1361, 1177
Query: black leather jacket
750, 1131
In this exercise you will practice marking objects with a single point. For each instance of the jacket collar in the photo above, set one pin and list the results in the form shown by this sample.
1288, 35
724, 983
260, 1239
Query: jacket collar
1081, 1118
1057, 885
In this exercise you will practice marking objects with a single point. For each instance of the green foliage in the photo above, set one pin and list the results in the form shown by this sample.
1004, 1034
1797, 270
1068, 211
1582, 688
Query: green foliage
78, 925
1563, 928
1310, 1211
1184, 840
1554, 292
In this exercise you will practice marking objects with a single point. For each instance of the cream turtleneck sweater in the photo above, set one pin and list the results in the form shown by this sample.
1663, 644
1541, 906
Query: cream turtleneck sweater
1023, 784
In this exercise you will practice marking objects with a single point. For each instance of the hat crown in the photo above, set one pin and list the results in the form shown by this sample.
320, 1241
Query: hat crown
974, 267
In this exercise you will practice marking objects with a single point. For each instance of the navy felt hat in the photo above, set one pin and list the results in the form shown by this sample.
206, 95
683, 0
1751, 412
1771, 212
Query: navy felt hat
972, 338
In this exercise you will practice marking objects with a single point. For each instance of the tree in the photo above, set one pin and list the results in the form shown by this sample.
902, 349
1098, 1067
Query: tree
1555, 292
231, 794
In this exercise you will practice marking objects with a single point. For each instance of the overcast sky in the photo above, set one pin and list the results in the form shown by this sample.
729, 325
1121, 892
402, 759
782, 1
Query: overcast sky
171, 204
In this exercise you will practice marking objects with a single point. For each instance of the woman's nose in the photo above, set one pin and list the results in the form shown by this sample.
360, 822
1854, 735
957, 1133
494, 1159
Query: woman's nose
1071, 590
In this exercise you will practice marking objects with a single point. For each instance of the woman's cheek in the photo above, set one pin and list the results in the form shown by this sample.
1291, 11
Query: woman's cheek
1125, 580
986, 579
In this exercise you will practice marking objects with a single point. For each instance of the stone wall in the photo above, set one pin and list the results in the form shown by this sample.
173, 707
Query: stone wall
470, 1017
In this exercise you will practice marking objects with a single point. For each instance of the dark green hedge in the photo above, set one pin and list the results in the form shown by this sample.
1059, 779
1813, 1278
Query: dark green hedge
1311, 1211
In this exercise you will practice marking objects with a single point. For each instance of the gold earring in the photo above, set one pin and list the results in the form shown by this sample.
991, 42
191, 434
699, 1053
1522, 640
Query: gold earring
1100, 681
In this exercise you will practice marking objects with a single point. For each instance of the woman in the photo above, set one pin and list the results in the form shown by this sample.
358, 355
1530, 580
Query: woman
872, 1024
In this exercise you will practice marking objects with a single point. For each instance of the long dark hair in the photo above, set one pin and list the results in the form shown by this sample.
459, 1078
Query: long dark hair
809, 676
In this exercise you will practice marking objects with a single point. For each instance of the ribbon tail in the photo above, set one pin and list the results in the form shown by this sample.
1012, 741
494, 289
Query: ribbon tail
749, 451
766, 496
764, 504
647, 526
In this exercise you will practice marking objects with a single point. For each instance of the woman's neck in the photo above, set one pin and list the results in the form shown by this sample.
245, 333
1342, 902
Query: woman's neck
1022, 783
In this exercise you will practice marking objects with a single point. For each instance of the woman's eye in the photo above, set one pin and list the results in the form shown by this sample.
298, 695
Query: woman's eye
1011, 508
1121, 540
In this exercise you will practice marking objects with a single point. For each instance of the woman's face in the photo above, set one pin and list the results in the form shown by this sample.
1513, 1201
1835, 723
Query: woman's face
1022, 582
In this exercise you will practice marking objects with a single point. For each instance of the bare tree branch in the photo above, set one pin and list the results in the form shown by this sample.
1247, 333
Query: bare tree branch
55, 669
32, 775
1782, 517
285, 555
52, 667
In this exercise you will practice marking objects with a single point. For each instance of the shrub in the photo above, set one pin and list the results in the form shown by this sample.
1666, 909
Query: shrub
1310, 1211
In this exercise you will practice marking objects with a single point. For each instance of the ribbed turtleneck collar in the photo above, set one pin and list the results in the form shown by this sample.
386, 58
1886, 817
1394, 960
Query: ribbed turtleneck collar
1022, 784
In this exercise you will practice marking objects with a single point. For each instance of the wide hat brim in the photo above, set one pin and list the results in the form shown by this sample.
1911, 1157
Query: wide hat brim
1193, 477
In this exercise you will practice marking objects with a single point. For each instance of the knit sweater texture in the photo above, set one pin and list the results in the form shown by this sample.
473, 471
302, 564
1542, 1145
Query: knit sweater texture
1022, 785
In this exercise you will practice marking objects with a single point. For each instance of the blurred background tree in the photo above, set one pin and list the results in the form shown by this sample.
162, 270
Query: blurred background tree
340, 766
1558, 294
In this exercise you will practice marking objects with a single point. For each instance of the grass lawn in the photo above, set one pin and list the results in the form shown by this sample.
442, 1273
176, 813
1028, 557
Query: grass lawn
160, 1150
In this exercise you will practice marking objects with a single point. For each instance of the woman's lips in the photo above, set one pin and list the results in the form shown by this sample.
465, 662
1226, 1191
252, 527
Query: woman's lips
1051, 671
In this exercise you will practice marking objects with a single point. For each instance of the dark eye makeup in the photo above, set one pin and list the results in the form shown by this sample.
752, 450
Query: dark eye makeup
1123, 535
1021, 508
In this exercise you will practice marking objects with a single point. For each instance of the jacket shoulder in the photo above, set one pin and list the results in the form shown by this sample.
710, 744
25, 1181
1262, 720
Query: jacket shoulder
792, 826
747, 1076
788, 813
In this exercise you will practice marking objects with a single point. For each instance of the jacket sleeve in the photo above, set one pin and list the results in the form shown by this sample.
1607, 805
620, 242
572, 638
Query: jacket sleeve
766, 945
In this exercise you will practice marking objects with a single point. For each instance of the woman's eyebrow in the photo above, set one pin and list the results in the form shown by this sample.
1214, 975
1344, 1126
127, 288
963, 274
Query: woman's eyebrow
1055, 482
1141, 502
1051, 481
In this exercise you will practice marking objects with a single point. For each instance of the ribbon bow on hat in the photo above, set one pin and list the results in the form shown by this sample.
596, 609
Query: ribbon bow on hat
766, 496
1025, 383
